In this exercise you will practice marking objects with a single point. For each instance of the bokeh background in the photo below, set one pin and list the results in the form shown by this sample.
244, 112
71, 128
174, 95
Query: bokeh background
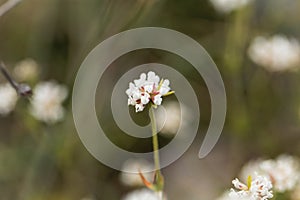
40, 160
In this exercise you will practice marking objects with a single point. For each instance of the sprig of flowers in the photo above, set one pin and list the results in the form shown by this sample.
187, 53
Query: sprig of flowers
147, 89
273, 178
282, 171
150, 89
46, 99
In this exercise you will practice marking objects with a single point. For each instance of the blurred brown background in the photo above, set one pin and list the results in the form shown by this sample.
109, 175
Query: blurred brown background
41, 161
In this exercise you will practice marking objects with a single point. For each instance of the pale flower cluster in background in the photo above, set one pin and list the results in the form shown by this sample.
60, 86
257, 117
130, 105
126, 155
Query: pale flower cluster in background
26, 70
170, 118
8, 99
147, 89
46, 104
134, 165
282, 171
144, 194
277, 53
226, 6
282, 175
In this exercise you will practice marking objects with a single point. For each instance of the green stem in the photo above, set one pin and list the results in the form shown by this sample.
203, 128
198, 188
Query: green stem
154, 139
159, 179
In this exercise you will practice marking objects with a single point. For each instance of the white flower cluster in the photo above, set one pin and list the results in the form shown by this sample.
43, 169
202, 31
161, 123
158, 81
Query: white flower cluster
283, 171
8, 98
277, 53
169, 117
226, 6
281, 175
46, 104
148, 88
144, 194
258, 189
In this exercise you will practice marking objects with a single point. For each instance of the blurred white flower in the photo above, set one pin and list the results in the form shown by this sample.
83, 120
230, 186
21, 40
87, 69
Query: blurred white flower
277, 53
283, 171
257, 189
144, 194
8, 99
46, 104
149, 88
170, 117
226, 6
26, 70
251, 168
134, 165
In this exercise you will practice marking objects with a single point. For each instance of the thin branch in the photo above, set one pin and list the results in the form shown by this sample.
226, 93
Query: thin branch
22, 89
7, 6
5, 73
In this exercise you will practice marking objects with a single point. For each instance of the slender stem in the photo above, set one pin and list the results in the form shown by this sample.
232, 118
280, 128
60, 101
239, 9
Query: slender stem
13, 83
8, 5
154, 139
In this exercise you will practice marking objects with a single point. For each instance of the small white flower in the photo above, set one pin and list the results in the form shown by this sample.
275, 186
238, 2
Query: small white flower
135, 165
226, 6
143, 194
8, 99
157, 100
26, 70
258, 189
237, 184
148, 88
277, 53
261, 188
46, 102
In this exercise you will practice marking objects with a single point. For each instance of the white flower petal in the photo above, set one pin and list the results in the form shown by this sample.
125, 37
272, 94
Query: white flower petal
139, 107
141, 81
153, 78
145, 98
157, 100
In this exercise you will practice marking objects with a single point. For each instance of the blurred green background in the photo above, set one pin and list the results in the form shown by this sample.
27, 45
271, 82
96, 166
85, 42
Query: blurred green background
40, 161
